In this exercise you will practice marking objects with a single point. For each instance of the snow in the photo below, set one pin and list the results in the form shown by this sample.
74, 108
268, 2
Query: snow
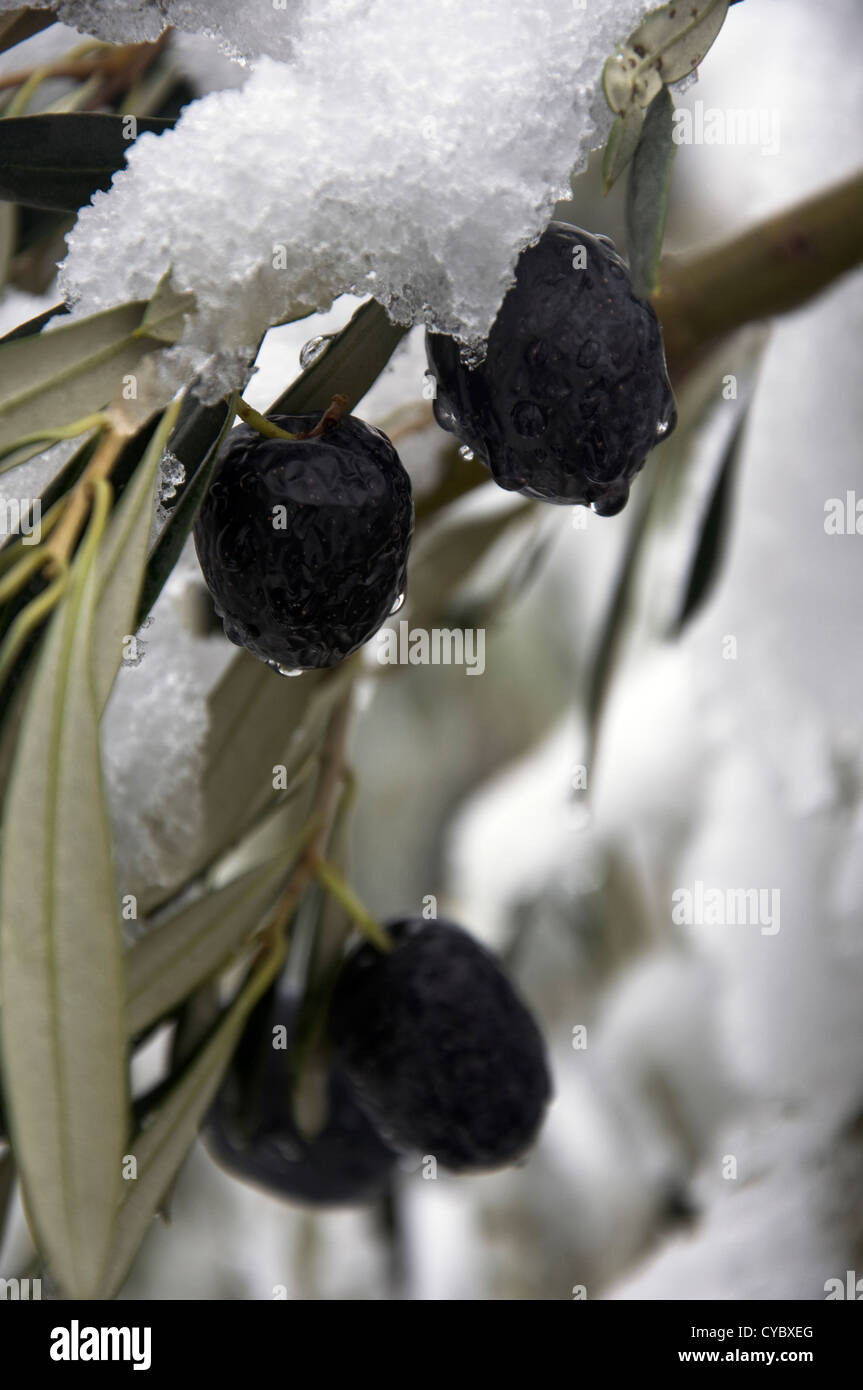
153, 735
242, 29
409, 150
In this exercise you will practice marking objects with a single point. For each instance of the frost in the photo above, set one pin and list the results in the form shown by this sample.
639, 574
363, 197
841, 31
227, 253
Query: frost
408, 150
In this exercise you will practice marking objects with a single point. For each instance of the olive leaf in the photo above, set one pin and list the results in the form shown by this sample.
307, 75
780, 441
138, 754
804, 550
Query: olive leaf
54, 378
63, 987
668, 44
258, 720
21, 24
621, 145
188, 947
165, 314
121, 561
664, 535
7, 1188
159, 1150
647, 193
8, 230
349, 365
713, 535
448, 550
196, 443
29, 327
58, 161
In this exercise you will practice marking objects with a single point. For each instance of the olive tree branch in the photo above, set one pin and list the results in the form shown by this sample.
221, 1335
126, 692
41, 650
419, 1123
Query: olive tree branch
769, 269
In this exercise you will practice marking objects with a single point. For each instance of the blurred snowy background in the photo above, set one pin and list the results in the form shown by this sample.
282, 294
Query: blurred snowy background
707, 1141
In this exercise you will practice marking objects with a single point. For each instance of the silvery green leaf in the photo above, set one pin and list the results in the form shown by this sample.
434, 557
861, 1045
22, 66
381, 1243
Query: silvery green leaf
20, 24
165, 314
349, 365
8, 230
196, 443
7, 1188
665, 532
713, 532
679, 36
58, 376
628, 82
63, 986
647, 193
189, 946
621, 146
57, 160
122, 559
448, 550
162, 1146
258, 720
668, 44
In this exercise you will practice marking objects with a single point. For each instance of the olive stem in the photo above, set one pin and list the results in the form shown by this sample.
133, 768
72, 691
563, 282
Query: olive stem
331, 416
259, 422
332, 880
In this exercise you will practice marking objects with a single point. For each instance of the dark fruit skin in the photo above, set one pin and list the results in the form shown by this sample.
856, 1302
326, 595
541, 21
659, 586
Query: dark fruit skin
252, 1133
573, 392
306, 593
444, 1056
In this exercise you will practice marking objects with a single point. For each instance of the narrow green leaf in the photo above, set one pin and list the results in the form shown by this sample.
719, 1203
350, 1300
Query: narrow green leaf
258, 719
350, 365
163, 1145
122, 558
34, 325
647, 193
18, 25
59, 376
713, 537
187, 948
57, 162
165, 314
663, 535
7, 1188
446, 553
621, 146
8, 231
197, 447
63, 983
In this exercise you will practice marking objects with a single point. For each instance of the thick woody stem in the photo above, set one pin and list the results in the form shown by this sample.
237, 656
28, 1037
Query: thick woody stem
771, 268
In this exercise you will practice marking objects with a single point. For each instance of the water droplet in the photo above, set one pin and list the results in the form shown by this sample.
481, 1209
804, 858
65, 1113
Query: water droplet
528, 419
661, 428
466, 452
399, 603
312, 350
613, 499
285, 670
